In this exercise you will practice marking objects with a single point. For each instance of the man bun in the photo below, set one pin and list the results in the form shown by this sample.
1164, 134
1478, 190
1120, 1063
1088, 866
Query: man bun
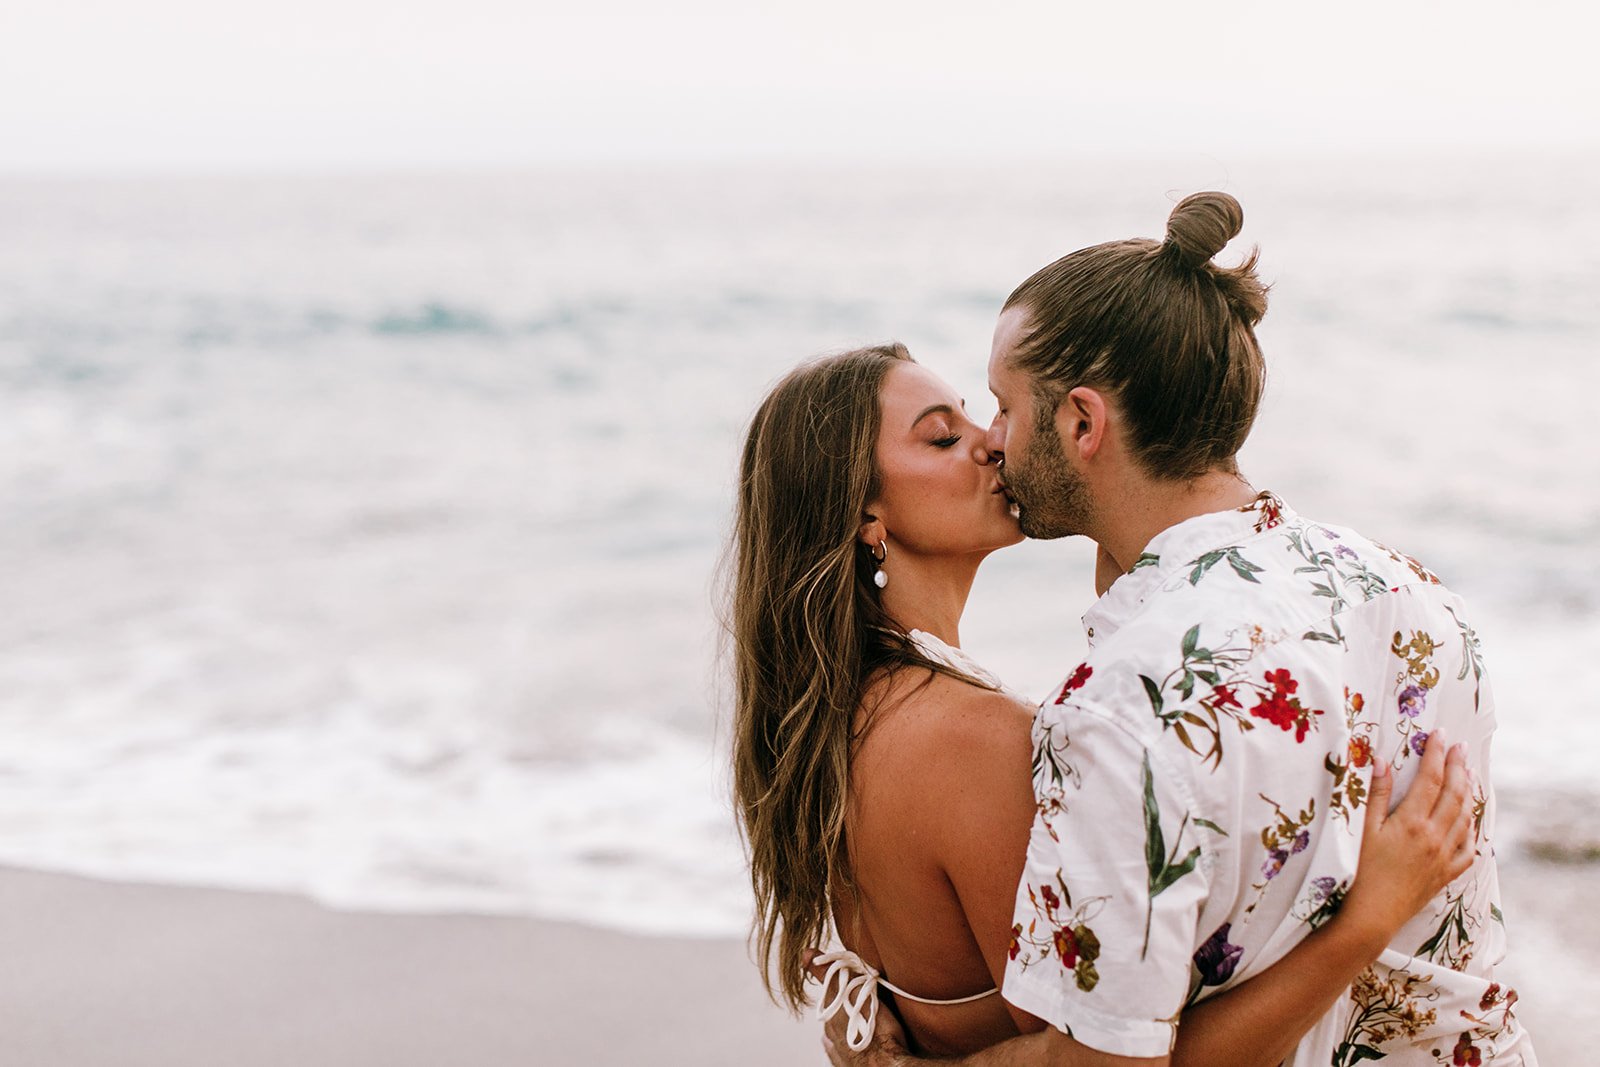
1159, 326
1201, 226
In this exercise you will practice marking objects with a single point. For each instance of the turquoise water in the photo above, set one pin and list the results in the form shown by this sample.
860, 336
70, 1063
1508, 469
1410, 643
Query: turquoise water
360, 534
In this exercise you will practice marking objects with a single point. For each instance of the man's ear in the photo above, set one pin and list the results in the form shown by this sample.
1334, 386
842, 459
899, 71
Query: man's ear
1081, 422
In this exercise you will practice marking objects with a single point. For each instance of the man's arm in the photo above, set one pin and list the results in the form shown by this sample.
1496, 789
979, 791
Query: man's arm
1048, 1048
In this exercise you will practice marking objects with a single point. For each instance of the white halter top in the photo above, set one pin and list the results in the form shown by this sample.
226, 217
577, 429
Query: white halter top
858, 980
953, 657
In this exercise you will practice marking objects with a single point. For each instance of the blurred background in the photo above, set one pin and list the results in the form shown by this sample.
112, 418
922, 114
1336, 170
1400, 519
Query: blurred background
372, 377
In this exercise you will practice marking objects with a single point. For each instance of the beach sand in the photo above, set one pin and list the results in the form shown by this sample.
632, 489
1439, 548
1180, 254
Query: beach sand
104, 974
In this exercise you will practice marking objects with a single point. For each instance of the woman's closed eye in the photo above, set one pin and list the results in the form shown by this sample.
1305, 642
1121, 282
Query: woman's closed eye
946, 442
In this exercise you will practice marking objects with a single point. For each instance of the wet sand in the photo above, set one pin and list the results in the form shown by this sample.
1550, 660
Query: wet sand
104, 973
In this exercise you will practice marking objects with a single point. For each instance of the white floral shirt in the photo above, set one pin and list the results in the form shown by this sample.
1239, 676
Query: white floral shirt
1201, 781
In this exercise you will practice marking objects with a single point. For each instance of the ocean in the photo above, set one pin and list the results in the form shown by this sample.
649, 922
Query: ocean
360, 535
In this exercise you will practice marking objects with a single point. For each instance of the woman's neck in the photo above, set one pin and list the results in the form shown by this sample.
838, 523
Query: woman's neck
930, 593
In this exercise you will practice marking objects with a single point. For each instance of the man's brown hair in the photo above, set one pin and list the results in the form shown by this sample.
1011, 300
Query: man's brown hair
1159, 327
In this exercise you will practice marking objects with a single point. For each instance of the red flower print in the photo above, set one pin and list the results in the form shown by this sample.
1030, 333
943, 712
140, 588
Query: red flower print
1276, 710
1491, 997
1360, 751
1079, 676
1283, 712
1222, 697
1281, 682
1466, 1053
1066, 948
1016, 942
1271, 511
1051, 901
1356, 702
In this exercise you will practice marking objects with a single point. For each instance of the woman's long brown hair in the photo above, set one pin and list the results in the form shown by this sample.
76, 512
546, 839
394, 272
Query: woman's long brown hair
808, 633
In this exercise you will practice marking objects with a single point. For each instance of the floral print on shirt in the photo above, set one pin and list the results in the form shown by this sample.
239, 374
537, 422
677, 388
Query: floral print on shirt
1060, 929
1201, 781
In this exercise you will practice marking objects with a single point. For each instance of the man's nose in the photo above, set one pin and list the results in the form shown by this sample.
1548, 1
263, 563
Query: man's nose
995, 439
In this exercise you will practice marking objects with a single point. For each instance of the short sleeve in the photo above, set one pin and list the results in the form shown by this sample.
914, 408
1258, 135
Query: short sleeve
1107, 911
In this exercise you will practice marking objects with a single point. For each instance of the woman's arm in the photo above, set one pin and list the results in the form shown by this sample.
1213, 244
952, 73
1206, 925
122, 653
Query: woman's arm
1407, 856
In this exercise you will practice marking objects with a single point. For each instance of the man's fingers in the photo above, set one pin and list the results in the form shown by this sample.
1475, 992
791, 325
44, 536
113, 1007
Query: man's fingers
833, 1031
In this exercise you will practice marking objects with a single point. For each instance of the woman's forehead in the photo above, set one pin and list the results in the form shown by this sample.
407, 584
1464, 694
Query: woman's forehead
910, 388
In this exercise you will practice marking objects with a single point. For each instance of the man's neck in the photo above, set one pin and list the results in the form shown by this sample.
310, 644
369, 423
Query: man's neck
1153, 506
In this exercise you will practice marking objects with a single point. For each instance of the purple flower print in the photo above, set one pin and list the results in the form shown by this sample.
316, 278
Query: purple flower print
1302, 839
1275, 861
1217, 959
1321, 889
1413, 698
1418, 742
1344, 551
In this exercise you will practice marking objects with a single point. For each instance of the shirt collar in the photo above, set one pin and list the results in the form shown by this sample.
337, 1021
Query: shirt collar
1174, 548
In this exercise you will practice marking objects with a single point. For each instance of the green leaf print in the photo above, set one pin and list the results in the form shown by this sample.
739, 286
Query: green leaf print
1153, 691
1334, 636
1241, 566
1471, 659
1203, 564
1451, 942
1155, 845
1164, 868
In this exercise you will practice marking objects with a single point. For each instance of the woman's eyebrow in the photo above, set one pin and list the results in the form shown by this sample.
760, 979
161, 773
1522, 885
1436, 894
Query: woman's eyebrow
931, 410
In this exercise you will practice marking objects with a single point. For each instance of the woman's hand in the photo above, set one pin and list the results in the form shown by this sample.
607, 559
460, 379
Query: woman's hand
1410, 854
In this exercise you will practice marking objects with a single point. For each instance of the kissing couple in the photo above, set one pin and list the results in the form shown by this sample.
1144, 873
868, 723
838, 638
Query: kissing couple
1189, 851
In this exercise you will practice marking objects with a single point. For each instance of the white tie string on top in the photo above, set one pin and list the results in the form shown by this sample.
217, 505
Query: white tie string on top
857, 996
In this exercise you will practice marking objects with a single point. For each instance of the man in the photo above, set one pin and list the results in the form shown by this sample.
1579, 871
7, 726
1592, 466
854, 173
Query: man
1201, 776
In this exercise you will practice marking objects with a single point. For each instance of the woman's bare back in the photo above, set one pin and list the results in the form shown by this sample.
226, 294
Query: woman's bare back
941, 808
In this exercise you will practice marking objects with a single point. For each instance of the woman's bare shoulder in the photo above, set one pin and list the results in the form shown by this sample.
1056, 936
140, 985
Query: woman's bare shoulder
934, 720
943, 773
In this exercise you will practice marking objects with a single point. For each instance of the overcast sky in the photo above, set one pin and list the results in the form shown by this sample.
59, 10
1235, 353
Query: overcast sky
310, 84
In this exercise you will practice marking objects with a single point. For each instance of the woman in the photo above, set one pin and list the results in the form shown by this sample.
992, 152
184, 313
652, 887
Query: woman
883, 779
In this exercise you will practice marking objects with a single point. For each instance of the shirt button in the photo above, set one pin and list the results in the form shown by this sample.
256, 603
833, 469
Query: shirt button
1091, 631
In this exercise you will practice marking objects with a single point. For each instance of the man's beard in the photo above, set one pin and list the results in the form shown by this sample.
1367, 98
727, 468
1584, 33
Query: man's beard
1053, 500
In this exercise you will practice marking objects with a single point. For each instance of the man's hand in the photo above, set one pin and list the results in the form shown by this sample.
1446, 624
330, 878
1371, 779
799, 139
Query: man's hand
888, 1044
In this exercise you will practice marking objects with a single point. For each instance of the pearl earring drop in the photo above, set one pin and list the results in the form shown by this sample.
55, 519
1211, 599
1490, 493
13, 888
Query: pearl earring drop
879, 578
